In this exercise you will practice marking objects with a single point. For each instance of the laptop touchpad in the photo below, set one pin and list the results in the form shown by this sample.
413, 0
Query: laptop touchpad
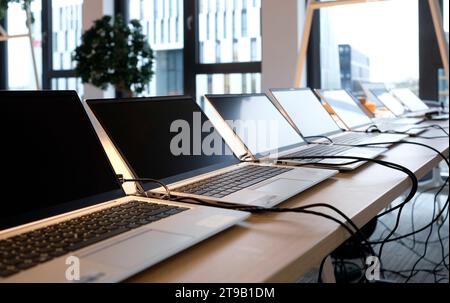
283, 187
139, 250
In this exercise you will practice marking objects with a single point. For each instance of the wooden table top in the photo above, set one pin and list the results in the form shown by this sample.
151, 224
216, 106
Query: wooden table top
282, 247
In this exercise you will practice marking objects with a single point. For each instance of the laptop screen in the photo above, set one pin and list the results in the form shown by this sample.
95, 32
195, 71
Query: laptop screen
346, 108
164, 138
257, 122
389, 101
52, 159
306, 111
407, 97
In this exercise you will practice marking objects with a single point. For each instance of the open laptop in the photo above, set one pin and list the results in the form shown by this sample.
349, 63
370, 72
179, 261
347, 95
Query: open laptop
267, 134
170, 139
67, 218
395, 107
349, 111
304, 108
414, 104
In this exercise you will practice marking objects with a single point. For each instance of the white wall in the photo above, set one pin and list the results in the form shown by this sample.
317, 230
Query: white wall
282, 25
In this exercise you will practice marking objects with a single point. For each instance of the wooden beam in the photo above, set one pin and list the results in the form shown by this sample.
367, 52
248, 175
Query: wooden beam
304, 44
436, 14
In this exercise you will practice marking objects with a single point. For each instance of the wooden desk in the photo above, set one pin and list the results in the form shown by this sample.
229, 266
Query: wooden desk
282, 247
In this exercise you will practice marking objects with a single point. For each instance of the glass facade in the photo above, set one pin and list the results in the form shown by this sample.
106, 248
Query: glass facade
66, 32
162, 21
357, 47
229, 31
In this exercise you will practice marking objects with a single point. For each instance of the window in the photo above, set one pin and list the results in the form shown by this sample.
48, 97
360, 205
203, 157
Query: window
245, 24
229, 50
168, 49
20, 73
66, 32
53, 52
64, 22
356, 46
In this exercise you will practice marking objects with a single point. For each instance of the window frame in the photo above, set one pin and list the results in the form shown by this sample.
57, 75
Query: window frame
191, 54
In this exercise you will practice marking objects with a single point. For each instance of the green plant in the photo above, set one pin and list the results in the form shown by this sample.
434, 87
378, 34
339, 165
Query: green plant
26, 6
113, 52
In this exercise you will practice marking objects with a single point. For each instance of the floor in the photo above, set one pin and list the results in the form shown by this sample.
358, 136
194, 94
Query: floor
399, 257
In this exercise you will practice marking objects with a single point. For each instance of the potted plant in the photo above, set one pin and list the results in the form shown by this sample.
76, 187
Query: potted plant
116, 53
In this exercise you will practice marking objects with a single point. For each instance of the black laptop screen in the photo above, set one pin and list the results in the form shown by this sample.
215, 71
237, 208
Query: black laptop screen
164, 138
52, 160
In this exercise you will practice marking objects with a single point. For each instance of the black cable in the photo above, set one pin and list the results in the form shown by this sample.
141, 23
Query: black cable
312, 137
401, 142
375, 128
140, 180
418, 230
395, 166
413, 272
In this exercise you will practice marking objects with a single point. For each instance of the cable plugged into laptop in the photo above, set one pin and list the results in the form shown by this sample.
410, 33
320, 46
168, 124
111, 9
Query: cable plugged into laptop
141, 189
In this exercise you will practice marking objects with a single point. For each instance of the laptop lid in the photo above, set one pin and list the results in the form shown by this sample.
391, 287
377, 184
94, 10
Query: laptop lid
389, 101
408, 98
52, 157
163, 138
346, 107
257, 122
306, 111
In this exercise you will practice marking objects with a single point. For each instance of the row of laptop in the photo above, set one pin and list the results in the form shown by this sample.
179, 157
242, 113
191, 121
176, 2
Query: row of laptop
66, 199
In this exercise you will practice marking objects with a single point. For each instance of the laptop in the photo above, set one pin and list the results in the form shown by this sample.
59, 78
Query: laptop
349, 111
304, 108
395, 107
68, 218
268, 135
170, 139
413, 103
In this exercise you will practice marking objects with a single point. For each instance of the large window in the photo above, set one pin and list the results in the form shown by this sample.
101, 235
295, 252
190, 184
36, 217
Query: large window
223, 53
162, 21
62, 28
228, 47
66, 28
224, 49
359, 46
20, 73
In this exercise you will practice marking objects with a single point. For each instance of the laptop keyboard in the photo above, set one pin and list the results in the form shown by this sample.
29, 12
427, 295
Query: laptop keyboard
319, 150
225, 184
354, 138
41, 245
